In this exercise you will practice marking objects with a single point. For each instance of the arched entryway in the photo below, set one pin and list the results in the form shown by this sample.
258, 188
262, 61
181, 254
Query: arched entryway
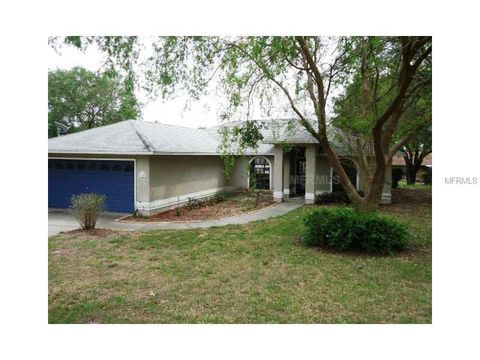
260, 173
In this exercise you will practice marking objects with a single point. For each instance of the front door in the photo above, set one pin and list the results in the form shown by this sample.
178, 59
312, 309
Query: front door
300, 176
297, 171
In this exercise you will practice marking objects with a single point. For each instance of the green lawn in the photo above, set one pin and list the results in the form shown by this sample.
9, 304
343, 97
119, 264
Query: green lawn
418, 185
255, 273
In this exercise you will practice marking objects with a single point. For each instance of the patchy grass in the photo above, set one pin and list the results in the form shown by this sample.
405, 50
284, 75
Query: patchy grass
254, 273
418, 185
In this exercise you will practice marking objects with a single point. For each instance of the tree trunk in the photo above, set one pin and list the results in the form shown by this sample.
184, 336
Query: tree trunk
412, 171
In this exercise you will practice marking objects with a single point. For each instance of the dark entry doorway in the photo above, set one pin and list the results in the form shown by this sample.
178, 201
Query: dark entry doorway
297, 171
352, 175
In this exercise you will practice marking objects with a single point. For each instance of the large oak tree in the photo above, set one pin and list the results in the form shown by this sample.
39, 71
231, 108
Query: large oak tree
375, 77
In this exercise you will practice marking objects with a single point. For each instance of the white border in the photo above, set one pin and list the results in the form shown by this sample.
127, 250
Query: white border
110, 159
176, 200
309, 196
278, 195
331, 179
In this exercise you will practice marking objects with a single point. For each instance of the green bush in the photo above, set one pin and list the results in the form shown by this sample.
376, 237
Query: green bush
193, 203
219, 197
345, 229
338, 197
87, 208
331, 198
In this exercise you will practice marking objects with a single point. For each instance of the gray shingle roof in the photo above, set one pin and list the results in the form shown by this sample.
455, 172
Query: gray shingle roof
142, 137
136, 137
119, 138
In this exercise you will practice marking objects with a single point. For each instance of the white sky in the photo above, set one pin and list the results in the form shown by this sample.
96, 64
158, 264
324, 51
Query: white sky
201, 113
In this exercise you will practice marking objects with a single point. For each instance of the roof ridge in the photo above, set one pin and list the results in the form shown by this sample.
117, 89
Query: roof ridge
180, 126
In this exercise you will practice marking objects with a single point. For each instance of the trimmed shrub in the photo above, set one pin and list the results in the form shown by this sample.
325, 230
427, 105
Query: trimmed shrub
345, 229
338, 197
87, 208
324, 198
331, 198
219, 197
193, 203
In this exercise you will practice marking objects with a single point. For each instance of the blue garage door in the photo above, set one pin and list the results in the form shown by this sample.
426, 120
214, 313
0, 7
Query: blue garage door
115, 179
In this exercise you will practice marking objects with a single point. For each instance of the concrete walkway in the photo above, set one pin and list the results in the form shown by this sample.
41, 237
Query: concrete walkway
62, 220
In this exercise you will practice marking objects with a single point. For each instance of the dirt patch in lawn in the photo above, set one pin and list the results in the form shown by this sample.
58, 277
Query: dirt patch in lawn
210, 209
412, 196
91, 233
409, 201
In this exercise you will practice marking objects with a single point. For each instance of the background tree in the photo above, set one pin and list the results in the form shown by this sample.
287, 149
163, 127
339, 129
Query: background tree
304, 71
416, 132
81, 99
415, 151
369, 92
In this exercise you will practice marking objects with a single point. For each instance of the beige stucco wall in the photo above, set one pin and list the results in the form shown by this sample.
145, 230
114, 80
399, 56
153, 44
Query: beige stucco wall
323, 175
172, 176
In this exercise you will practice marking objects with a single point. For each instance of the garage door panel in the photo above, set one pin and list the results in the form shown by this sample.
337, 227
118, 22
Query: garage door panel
115, 179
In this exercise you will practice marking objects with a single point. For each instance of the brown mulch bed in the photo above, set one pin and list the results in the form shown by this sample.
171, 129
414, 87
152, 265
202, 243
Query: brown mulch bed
233, 206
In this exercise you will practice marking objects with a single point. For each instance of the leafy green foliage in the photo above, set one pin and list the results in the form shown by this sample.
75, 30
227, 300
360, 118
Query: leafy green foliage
337, 197
234, 140
344, 229
331, 198
81, 99
219, 197
87, 208
193, 203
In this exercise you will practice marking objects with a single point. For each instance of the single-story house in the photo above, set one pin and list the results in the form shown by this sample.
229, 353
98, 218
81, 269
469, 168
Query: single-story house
424, 172
399, 161
150, 167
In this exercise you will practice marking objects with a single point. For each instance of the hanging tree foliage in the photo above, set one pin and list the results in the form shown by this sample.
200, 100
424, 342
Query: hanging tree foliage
372, 78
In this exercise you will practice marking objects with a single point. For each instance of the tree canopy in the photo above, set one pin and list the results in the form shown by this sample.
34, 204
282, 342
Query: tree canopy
80, 99
369, 80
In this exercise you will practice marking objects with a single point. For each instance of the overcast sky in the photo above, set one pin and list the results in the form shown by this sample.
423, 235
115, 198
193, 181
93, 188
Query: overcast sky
202, 113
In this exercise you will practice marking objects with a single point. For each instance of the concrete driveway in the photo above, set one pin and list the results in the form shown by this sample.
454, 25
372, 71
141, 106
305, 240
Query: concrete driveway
62, 219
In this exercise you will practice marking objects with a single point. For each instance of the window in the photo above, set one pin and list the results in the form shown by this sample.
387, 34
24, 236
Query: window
128, 168
70, 166
93, 166
104, 167
116, 167
260, 173
80, 166
58, 166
